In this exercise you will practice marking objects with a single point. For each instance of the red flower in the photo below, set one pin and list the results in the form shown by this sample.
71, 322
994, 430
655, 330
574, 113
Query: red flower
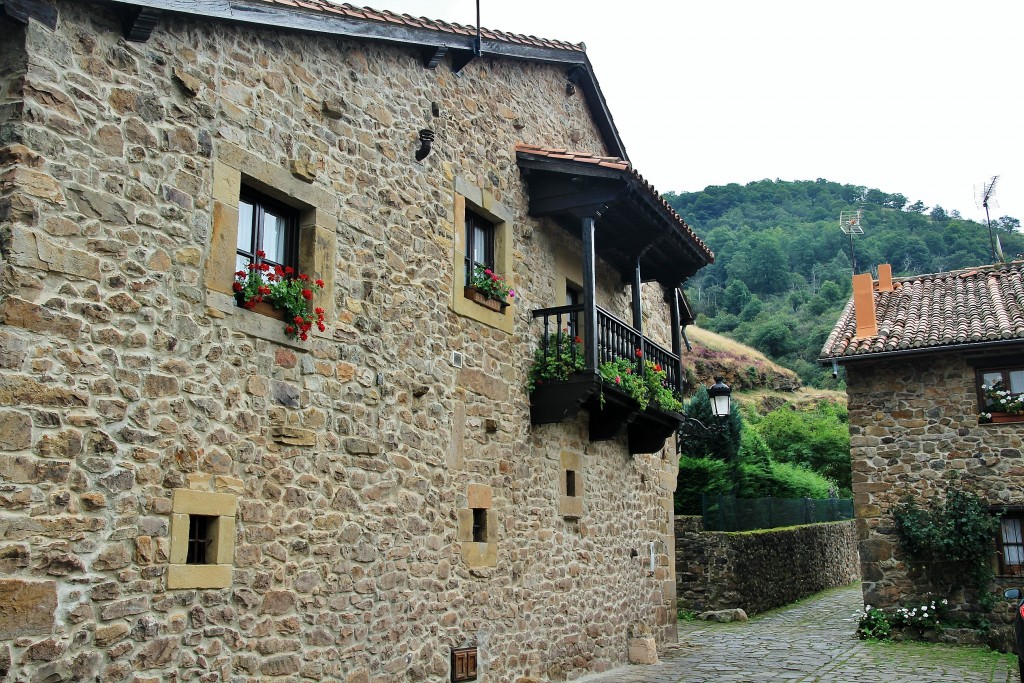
237, 286
639, 353
240, 273
319, 312
307, 294
303, 277
579, 339
289, 330
261, 254
250, 304
320, 284
618, 380
278, 271
264, 267
657, 367
288, 270
263, 289
320, 325
298, 320
303, 336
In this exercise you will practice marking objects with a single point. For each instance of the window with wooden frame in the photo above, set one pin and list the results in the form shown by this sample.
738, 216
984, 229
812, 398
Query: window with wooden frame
1001, 393
1010, 544
479, 244
269, 226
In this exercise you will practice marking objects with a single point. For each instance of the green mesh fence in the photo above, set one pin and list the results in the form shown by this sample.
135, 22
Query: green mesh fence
725, 513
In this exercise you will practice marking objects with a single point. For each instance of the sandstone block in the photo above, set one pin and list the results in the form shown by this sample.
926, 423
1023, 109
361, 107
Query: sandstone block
15, 431
26, 607
30, 316
643, 651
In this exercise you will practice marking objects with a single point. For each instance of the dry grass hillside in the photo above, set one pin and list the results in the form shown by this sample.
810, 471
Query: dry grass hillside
752, 375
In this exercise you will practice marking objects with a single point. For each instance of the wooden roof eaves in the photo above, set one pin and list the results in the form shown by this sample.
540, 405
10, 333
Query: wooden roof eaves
295, 18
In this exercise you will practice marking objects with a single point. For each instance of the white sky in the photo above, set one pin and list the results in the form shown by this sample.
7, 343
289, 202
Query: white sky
911, 96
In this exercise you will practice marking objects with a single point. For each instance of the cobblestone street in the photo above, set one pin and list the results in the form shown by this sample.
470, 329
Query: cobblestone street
812, 641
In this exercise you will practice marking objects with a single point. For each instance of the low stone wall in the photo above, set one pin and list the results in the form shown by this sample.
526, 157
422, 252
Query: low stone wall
761, 570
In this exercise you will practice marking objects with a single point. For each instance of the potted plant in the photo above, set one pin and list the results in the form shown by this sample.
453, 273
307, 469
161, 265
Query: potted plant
1001, 405
557, 383
489, 289
286, 291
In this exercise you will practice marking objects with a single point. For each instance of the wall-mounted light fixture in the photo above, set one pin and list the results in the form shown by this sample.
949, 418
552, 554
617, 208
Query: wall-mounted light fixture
426, 140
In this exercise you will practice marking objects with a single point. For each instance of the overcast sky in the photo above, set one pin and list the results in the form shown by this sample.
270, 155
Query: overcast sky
921, 98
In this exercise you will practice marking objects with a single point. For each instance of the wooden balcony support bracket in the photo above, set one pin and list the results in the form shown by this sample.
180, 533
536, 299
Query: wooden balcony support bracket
138, 23
432, 55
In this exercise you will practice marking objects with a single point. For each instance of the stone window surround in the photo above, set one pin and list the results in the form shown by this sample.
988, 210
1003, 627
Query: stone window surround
479, 201
1003, 367
570, 506
234, 168
217, 572
478, 496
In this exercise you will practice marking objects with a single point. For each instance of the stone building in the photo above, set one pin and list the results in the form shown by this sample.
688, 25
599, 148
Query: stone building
918, 352
188, 491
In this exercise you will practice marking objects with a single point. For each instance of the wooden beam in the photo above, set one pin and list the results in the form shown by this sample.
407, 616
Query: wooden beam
578, 203
23, 10
139, 23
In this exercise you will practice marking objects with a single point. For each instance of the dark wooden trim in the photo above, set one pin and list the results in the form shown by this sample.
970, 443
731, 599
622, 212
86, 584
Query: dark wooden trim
460, 58
23, 10
139, 23
579, 204
996, 361
589, 293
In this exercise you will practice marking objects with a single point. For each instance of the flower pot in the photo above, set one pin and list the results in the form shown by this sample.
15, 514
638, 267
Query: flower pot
485, 300
1007, 417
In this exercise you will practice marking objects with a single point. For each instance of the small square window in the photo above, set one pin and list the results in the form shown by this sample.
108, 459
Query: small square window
200, 536
1011, 545
480, 525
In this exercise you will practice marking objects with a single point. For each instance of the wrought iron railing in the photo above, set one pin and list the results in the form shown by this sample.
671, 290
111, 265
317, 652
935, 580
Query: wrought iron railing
615, 339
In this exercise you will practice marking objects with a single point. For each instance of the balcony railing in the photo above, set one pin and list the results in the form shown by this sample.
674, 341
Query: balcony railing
615, 339
610, 409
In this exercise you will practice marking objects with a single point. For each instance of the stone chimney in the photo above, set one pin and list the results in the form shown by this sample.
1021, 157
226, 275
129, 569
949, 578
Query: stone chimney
864, 306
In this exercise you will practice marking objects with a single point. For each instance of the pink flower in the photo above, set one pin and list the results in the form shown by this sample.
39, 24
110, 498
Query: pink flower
618, 380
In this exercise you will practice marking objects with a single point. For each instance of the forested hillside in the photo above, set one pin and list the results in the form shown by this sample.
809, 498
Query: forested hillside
782, 269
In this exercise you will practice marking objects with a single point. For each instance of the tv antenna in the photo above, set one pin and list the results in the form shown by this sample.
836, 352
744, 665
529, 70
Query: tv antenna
849, 223
986, 196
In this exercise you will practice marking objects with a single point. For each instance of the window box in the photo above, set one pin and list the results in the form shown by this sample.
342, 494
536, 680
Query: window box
263, 307
560, 400
1006, 417
474, 294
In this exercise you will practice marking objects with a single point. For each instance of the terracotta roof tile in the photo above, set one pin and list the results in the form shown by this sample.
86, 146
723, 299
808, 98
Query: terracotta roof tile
620, 165
385, 16
970, 306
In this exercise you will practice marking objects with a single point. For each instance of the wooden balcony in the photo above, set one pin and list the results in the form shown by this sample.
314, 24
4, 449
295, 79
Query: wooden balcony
611, 410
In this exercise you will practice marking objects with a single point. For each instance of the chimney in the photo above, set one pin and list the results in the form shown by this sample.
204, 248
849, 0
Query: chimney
884, 277
864, 306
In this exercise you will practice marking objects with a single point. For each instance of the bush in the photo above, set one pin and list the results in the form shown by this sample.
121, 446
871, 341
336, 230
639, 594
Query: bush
698, 476
818, 439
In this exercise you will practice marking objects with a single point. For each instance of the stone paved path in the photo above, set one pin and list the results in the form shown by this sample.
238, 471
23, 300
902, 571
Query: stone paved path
812, 641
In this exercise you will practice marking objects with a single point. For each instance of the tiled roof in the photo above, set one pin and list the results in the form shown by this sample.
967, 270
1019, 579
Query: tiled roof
619, 165
930, 312
386, 17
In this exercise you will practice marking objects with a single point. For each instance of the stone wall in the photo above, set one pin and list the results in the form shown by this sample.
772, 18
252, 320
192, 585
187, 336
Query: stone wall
913, 428
347, 460
760, 570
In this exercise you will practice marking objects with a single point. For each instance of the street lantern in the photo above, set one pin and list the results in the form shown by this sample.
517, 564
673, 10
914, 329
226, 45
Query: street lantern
720, 394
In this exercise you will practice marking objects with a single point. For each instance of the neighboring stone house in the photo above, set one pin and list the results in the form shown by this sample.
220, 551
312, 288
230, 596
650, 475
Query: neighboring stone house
188, 492
917, 352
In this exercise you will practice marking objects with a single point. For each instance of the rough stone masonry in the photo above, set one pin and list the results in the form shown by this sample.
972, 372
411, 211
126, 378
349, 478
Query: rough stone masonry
128, 377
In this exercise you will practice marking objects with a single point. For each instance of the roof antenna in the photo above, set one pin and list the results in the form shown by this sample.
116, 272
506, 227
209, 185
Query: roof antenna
849, 223
477, 46
988, 193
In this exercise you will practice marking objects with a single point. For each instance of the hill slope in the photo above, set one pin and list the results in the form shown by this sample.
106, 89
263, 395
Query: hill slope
783, 268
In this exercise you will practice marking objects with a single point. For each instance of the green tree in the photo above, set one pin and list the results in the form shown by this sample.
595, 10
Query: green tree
735, 297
